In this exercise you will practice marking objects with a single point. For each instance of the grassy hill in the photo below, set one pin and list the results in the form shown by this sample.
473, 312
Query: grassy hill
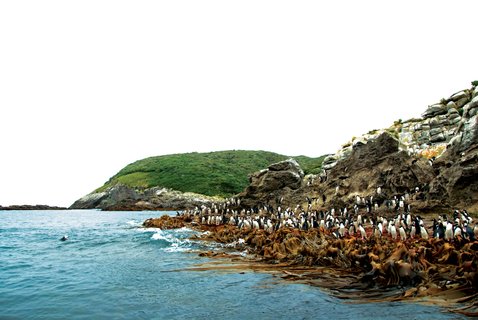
220, 173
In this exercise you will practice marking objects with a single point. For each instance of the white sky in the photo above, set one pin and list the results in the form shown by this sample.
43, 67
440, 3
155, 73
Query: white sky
87, 87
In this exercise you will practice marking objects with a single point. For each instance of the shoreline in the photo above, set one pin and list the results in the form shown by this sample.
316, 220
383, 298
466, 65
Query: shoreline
27, 207
431, 271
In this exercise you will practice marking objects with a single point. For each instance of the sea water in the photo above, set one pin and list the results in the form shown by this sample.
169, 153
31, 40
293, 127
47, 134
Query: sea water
112, 268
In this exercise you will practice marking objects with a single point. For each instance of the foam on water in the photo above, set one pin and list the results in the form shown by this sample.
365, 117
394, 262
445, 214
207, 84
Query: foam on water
134, 223
178, 240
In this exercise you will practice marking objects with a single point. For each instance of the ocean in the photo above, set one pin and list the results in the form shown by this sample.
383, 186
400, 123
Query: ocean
112, 268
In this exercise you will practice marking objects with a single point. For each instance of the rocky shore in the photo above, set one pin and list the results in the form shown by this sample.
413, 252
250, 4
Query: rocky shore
381, 221
123, 198
436, 154
362, 267
32, 207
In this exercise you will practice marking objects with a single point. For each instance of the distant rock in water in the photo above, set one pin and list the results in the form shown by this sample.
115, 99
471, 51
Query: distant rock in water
32, 207
123, 198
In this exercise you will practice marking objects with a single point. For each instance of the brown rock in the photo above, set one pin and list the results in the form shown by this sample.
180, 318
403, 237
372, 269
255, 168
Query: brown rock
165, 222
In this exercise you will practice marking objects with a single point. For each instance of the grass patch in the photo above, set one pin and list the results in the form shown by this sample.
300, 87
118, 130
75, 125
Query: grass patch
222, 173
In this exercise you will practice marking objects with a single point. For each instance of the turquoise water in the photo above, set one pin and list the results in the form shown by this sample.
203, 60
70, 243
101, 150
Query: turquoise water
111, 268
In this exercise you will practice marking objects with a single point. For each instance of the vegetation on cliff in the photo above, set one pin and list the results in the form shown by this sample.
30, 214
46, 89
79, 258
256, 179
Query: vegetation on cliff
222, 173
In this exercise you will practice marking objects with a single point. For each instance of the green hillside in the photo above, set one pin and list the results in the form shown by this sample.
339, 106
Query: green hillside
215, 173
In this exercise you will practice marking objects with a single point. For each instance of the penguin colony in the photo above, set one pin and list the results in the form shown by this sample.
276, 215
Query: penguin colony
392, 218
379, 244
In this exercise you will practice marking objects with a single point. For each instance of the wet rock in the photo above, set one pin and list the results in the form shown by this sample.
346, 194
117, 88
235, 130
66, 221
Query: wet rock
165, 222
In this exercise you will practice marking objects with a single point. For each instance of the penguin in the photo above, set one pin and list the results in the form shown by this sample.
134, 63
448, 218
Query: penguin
342, 230
403, 235
470, 235
438, 229
423, 232
393, 232
449, 231
413, 232
458, 232
64, 238
377, 233
362, 232
475, 231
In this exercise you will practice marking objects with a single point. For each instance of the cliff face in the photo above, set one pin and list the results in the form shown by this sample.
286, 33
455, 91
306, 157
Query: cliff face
121, 197
433, 159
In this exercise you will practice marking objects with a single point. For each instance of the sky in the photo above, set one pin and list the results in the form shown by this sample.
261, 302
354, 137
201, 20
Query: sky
87, 87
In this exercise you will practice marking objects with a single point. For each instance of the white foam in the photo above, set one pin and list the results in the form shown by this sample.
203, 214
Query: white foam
133, 223
176, 248
149, 229
183, 229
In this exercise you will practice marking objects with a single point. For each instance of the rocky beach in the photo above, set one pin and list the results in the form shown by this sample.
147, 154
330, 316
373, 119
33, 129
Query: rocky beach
390, 216
368, 265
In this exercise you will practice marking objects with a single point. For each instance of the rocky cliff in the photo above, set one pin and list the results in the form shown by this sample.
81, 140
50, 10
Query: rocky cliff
433, 160
121, 197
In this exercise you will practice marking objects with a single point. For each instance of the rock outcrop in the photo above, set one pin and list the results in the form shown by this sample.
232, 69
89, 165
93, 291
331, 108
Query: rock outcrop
270, 183
121, 197
32, 207
433, 160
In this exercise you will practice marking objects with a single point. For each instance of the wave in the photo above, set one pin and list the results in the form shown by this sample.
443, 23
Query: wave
174, 240
179, 240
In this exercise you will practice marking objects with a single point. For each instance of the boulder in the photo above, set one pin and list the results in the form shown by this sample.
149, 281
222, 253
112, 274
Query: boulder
434, 110
469, 110
459, 95
435, 131
329, 162
377, 163
472, 106
470, 134
438, 138
460, 103
452, 108
90, 201
287, 165
266, 184
457, 180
